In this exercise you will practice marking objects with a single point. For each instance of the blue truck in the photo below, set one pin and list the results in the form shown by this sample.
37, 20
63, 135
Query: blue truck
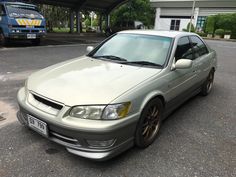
21, 21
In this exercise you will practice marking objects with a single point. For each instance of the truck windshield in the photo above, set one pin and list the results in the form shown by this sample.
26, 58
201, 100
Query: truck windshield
22, 11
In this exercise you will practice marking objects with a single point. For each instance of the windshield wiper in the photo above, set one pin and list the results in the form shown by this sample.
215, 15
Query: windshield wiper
148, 63
110, 57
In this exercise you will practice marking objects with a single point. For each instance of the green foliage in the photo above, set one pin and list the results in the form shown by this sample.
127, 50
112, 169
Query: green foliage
227, 22
134, 10
188, 26
55, 16
220, 32
210, 24
228, 32
87, 22
202, 34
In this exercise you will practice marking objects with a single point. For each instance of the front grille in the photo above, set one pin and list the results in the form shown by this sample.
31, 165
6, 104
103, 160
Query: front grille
34, 31
18, 26
25, 31
48, 103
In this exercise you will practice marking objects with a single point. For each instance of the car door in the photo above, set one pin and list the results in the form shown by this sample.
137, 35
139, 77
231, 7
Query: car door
202, 58
181, 82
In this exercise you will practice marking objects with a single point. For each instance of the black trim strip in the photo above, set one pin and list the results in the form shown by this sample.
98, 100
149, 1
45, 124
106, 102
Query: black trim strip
169, 16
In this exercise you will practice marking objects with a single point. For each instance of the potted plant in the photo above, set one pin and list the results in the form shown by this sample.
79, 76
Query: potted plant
219, 33
227, 34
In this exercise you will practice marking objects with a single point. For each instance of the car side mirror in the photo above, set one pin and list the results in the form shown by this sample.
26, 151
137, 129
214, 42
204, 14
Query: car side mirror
90, 49
183, 64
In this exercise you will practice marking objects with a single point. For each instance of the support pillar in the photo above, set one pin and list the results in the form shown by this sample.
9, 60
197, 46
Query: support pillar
71, 21
78, 22
107, 16
196, 14
157, 25
100, 23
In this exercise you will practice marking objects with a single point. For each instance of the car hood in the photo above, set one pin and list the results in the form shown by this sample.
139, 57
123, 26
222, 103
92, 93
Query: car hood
85, 81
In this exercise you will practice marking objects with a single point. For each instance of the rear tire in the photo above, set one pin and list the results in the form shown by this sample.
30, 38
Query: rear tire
149, 123
208, 84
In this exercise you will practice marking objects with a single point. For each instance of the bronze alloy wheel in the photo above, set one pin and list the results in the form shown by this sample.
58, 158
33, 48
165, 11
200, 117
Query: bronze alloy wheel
149, 123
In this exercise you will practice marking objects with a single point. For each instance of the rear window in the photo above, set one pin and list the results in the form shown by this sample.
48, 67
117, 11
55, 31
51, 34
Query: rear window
198, 46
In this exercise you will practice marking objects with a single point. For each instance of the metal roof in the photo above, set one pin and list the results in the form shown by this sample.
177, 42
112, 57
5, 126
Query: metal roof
189, 3
96, 5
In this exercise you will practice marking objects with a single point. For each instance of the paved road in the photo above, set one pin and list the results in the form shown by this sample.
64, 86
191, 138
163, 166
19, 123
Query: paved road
198, 139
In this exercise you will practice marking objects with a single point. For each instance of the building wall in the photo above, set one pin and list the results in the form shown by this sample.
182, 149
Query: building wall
167, 10
164, 23
165, 15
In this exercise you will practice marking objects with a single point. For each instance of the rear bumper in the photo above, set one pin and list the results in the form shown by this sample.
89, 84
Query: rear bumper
76, 140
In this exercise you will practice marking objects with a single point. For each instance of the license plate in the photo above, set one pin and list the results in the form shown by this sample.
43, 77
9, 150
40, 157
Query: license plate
31, 36
38, 125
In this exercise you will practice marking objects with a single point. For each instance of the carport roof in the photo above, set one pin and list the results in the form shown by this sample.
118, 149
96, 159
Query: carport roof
100, 5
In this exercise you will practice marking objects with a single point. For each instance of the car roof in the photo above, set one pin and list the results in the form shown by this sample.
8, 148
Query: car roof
171, 34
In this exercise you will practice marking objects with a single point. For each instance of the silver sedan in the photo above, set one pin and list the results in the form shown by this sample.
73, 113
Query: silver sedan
116, 96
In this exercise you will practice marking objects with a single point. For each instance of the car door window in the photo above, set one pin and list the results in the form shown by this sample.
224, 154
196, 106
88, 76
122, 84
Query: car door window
184, 49
198, 46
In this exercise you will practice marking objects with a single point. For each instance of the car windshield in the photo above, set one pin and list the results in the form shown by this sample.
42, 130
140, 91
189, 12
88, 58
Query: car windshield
22, 11
136, 49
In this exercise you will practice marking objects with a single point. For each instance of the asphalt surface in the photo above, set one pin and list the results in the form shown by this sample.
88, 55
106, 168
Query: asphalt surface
198, 139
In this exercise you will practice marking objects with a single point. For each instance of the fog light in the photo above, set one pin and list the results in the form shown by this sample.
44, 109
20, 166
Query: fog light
17, 31
101, 144
13, 31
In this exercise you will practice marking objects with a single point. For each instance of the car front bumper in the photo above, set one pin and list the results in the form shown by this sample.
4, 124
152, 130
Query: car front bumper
76, 136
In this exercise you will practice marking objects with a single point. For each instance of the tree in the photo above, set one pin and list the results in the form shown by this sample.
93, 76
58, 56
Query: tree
192, 28
55, 16
134, 10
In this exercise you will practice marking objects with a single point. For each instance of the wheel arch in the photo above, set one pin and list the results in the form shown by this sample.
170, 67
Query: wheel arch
152, 96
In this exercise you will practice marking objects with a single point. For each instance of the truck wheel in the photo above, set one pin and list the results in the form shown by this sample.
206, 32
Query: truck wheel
36, 42
149, 123
3, 40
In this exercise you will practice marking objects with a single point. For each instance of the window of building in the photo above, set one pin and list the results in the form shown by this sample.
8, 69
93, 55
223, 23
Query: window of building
200, 23
174, 25
184, 49
198, 46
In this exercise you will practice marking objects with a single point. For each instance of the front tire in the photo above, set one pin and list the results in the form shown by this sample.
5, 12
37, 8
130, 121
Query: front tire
208, 84
3, 39
149, 123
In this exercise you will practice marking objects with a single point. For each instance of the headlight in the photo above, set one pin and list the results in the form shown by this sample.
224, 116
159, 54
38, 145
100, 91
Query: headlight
116, 111
109, 112
87, 112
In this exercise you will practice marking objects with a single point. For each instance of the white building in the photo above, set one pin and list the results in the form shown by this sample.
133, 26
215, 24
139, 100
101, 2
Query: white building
176, 14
